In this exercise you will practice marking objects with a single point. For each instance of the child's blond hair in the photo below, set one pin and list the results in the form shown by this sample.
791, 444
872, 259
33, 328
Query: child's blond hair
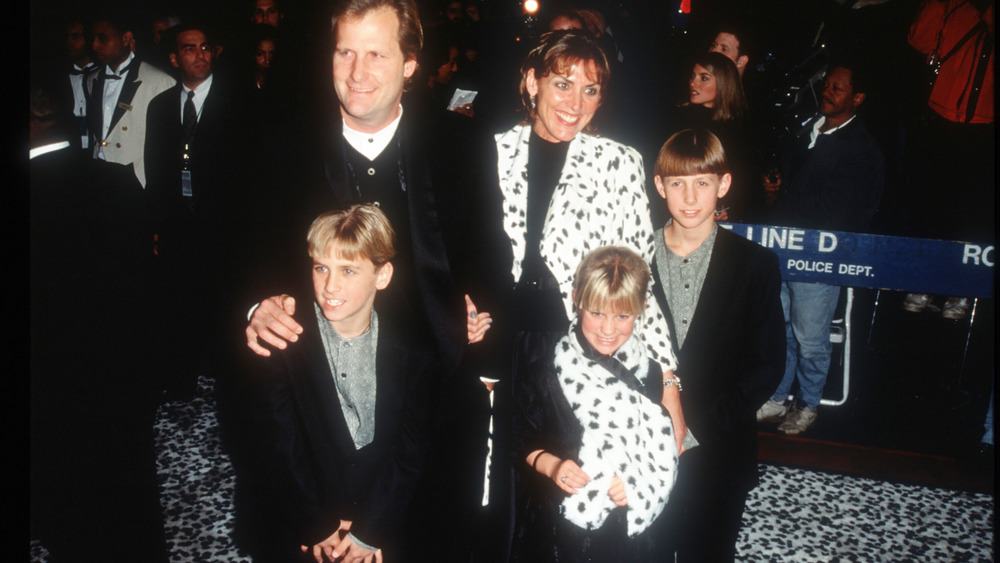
361, 231
611, 277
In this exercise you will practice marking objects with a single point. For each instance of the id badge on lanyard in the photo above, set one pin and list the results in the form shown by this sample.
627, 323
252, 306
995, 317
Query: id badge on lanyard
186, 190
186, 183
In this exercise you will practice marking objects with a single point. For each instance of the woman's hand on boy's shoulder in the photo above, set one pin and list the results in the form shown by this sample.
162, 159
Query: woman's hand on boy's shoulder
477, 322
272, 322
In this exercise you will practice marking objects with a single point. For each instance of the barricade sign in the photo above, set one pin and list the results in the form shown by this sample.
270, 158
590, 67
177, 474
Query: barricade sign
961, 269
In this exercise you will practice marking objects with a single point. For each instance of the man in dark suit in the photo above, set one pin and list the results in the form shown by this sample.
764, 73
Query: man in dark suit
720, 295
374, 151
348, 401
202, 195
424, 177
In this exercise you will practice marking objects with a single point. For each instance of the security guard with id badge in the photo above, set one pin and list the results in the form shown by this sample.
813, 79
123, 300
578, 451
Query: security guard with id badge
199, 182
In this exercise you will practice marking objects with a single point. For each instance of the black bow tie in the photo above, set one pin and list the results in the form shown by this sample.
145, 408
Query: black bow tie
77, 71
119, 75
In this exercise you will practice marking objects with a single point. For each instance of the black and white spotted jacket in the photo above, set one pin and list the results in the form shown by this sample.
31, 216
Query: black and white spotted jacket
600, 201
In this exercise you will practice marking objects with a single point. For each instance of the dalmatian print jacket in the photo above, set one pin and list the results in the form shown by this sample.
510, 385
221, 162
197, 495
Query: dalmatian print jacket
600, 201
624, 434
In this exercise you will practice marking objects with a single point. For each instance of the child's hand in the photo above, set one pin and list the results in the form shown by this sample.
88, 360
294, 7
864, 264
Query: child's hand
568, 476
329, 546
617, 492
353, 553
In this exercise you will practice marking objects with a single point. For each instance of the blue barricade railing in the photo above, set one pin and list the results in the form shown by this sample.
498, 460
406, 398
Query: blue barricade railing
882, 262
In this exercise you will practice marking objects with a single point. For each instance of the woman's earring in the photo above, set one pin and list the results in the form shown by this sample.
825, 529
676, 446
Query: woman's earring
532, 102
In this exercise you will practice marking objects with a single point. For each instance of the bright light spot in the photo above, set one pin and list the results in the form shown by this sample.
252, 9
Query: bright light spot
531, 6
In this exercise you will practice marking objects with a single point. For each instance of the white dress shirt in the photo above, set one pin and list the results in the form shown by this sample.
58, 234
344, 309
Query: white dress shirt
372, 144
200, 93
79, 96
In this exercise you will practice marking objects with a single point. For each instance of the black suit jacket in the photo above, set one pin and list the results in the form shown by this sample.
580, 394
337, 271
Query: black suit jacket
319, 475
203, 241
733, 356
223, 191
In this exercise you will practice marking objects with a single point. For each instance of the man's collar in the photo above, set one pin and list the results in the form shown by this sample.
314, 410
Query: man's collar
819, 123
815, 132
202, 88
372, 144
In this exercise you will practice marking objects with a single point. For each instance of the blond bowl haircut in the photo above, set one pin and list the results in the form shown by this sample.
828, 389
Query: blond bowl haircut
611, 276
558, 52
361, 231
691, 152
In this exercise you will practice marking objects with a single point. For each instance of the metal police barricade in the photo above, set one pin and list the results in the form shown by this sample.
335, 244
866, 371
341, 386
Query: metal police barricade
875, 261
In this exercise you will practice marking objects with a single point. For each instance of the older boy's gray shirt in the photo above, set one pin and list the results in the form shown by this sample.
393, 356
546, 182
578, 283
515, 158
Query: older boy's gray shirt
352, 363
683, 277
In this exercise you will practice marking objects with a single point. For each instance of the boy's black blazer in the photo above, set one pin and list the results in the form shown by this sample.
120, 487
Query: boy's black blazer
320, 477
734, 354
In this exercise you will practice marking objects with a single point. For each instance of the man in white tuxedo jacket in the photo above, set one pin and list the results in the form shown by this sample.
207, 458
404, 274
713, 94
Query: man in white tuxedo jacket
119, 95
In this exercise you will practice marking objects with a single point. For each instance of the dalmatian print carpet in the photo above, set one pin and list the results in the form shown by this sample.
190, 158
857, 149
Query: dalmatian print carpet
795, 515
802, 515
196, 479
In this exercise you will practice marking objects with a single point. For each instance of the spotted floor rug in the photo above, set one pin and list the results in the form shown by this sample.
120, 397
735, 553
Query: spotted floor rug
795, 515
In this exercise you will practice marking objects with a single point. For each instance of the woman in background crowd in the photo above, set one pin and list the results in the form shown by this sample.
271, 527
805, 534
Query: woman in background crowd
715, 101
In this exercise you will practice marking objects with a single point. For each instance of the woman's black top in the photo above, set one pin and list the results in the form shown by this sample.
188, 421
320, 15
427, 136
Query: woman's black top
537, 301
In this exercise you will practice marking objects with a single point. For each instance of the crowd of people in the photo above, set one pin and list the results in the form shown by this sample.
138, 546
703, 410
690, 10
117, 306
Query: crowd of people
514, 346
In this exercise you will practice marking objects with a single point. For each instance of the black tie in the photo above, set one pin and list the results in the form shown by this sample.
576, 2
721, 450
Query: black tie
190, 117
117, 75
84, 70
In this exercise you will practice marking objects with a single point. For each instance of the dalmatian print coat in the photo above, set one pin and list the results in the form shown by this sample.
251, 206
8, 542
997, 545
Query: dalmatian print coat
624, 434
600, 201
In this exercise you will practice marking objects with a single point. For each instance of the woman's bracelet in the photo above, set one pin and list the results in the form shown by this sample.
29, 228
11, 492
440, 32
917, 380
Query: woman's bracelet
673, 381
537, 457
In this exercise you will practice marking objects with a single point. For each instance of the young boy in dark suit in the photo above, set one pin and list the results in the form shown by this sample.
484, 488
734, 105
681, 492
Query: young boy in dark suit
720, 293
348, 401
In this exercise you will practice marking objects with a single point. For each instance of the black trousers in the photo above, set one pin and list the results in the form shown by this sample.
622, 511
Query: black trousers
705, 511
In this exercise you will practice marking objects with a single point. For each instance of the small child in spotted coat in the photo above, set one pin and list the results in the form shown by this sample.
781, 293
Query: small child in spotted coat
595, 445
